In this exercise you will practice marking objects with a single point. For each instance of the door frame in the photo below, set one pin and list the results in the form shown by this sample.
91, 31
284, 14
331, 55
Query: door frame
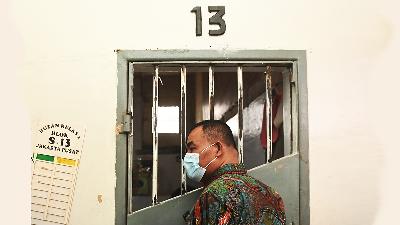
125, 56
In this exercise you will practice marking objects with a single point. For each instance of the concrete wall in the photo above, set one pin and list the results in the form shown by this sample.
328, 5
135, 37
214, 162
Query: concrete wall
59, 55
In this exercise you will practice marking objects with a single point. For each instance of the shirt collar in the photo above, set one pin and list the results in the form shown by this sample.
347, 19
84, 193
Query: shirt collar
229, 169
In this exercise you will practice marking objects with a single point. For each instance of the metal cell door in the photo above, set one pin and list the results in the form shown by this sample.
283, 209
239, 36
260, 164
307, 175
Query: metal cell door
253, 74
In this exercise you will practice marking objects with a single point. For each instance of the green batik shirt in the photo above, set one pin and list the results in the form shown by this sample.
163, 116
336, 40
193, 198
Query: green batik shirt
233, 197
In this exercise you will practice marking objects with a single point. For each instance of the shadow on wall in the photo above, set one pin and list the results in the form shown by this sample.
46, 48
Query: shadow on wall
344, 179
346, 158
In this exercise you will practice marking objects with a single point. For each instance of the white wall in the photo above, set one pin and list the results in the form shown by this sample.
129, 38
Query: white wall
62, 54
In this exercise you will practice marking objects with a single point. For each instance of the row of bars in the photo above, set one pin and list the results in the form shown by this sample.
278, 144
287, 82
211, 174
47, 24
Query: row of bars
182, 117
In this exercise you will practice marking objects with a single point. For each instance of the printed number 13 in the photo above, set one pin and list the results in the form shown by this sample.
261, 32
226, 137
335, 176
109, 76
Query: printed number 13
216, 19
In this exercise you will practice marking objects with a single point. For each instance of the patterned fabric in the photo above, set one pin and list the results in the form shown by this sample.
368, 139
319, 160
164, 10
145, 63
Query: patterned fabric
233, 197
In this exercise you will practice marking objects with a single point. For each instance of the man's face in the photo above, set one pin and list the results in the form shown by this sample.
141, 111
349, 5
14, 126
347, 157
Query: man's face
195, 143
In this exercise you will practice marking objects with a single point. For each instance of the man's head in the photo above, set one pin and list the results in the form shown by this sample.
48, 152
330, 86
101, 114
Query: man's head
213, 140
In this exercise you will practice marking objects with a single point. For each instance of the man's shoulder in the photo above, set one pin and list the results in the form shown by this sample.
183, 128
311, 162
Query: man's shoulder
223, 185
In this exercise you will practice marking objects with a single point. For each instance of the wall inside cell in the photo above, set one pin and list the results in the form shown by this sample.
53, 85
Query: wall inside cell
253, 152
67, 71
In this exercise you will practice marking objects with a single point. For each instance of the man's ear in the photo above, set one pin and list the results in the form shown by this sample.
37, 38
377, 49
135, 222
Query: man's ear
219, 147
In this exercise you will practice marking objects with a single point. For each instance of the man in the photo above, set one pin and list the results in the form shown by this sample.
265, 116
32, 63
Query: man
230, 195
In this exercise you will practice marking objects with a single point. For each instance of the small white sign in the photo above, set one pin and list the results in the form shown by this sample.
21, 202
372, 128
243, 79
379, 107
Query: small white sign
57, 149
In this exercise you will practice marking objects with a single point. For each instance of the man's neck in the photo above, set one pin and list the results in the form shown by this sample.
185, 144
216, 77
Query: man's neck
232, 158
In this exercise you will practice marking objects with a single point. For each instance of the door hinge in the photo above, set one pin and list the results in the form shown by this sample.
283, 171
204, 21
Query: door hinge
127, 124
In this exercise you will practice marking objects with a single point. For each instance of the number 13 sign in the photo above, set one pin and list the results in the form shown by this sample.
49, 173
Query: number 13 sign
216, 19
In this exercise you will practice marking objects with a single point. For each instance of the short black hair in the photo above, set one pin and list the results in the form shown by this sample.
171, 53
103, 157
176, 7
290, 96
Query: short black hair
216, 130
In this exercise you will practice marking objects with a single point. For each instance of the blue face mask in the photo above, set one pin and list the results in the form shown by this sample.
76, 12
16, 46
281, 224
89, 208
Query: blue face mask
192, 167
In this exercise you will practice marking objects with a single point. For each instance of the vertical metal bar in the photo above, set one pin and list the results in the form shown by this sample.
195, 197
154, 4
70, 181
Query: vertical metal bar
295, 109
199, 115
240, 111
268, 112
211, 91
182, 118
155, 135
287, 120
130, 137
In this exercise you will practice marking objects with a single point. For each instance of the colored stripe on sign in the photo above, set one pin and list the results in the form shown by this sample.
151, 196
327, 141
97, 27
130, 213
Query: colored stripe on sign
65, 161
45, 157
